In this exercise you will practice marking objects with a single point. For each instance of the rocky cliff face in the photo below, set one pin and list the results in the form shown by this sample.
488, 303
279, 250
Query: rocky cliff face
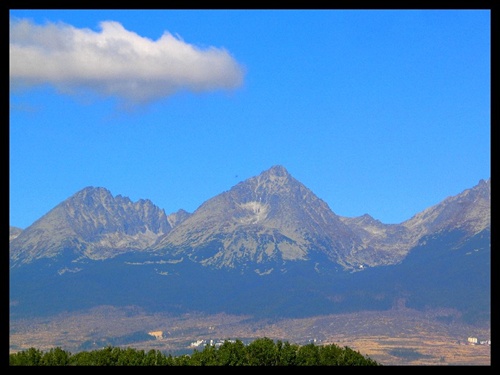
270, 218
92, 224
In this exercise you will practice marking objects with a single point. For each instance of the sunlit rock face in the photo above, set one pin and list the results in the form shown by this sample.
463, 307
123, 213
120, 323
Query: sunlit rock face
91, 224
469, 211
268, 218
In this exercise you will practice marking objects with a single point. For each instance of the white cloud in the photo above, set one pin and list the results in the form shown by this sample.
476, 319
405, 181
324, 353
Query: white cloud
115, 62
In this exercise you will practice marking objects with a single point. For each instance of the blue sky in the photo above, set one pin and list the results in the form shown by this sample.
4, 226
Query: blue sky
382, 112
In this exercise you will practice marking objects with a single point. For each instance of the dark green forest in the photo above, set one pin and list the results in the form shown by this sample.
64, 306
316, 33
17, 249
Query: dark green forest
260, 352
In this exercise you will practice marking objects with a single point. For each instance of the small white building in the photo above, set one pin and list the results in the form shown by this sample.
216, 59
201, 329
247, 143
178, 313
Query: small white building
195, 344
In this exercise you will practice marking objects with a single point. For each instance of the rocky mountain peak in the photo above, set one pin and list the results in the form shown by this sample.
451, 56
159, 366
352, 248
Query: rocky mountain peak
93, 224
90, 195
274, 182
469, 211
271, 216
275, 171
177, 217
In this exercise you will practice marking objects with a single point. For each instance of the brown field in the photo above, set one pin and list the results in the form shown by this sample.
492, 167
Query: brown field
397, 337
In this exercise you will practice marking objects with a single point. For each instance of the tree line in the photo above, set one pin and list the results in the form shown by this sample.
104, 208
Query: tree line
260, 352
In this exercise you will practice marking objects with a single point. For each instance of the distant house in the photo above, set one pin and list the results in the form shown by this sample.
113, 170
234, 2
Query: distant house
197, 343
472, 340
156, 334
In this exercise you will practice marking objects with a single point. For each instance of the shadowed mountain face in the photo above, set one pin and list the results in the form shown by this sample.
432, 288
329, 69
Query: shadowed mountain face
268, 246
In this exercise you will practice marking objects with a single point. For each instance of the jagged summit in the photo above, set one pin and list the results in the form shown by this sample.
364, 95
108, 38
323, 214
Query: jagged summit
273, 181
95, 195
91, 190
91, 224
276, 170
484, 182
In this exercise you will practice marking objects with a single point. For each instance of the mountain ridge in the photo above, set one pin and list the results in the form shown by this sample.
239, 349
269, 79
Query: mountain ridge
268, 247
271, 218
92, 224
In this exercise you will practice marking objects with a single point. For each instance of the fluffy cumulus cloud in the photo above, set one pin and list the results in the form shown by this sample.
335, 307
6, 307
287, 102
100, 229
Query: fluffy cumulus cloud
115, 61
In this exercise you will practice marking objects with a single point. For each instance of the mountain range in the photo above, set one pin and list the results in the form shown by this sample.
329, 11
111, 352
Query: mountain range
268, 246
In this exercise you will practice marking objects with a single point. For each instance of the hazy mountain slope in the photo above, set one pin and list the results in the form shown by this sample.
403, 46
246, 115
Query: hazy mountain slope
445, 270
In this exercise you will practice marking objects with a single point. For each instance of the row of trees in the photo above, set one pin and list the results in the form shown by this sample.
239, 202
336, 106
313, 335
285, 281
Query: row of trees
261, 352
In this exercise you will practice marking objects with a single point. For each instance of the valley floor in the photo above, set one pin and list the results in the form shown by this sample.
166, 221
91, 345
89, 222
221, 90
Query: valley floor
396, 337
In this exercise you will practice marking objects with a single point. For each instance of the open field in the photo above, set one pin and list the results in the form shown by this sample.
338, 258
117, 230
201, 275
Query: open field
394, 337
